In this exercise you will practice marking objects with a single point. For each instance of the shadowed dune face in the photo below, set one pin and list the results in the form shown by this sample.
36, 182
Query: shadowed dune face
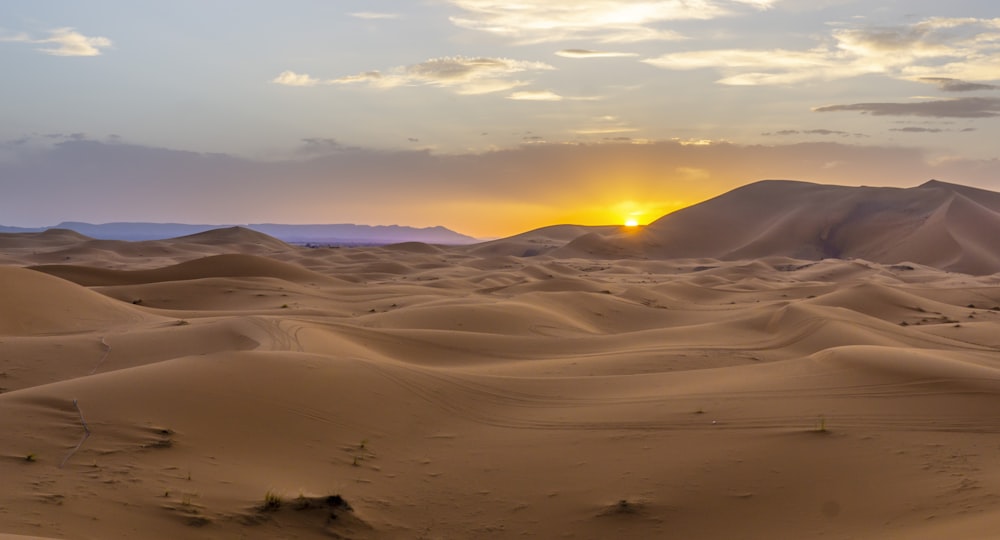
413, 391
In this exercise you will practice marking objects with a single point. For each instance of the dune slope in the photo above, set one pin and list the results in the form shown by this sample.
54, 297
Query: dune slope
938, 224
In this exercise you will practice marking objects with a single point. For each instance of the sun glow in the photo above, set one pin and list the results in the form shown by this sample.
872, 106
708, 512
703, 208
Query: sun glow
634, 214
628, 214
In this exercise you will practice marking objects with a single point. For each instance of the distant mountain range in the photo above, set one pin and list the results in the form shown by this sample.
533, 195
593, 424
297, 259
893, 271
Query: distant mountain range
338, 234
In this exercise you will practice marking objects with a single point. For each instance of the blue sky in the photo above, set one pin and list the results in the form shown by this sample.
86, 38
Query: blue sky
372, 87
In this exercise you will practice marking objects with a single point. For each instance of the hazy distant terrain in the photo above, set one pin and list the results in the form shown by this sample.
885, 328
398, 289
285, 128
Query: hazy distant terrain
342, 234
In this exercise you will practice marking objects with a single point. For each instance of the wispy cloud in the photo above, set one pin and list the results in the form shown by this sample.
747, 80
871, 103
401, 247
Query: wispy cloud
956, 85
291, 78
587, 53
604, 130
462, 74
756, 67
917, 129
64, 42
604, 21
320, 146
956, 48
374, 77
821, 131
371, 15
605, 125
548, 95
535, 95
969, 107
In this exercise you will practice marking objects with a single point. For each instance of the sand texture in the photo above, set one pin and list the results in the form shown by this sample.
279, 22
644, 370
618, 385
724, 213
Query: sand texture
228, 385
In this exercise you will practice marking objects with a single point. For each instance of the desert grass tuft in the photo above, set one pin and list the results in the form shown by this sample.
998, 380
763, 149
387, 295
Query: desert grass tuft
272, 501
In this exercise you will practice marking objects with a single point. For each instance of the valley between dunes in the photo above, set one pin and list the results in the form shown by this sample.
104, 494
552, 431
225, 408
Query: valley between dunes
228, 385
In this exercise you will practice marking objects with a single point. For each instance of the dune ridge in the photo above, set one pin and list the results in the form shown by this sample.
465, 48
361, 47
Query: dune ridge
938, 224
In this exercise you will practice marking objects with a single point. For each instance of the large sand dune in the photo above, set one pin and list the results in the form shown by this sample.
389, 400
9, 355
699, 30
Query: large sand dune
943, 225
229, 386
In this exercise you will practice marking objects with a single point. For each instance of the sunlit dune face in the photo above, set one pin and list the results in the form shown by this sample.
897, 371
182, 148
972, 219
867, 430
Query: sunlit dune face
631, 222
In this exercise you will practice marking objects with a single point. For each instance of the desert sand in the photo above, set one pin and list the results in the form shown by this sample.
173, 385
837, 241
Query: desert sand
229, 385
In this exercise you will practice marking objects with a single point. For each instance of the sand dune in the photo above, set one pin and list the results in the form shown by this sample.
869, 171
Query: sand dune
37, 304
56, 246
937, 224
230, 265
538, 241
228, 386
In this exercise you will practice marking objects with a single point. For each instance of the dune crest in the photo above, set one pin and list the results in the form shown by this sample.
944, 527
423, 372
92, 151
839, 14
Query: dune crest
938, 224
36, 304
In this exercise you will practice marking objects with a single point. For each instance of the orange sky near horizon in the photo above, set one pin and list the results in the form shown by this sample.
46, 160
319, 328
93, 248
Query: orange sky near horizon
486, 195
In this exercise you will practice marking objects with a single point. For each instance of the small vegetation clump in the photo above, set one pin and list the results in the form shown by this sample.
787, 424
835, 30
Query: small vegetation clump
625, 507
272, 502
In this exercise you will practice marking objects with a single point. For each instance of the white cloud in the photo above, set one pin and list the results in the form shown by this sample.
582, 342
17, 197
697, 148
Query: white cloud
759, 67
462, 74
960, 48
759, 4
290, 78
370, 15
65, 42
366, 76
587, 53
535, 95
741, 58
605, 21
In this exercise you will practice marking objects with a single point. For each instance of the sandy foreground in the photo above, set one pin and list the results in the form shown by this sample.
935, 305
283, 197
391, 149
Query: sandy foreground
228, 385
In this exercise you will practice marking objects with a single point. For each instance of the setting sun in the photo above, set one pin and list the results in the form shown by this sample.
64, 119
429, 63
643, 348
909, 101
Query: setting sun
631, 222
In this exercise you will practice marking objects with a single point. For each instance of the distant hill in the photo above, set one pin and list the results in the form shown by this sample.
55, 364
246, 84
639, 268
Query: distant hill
944, 225
538, 241
338, 234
